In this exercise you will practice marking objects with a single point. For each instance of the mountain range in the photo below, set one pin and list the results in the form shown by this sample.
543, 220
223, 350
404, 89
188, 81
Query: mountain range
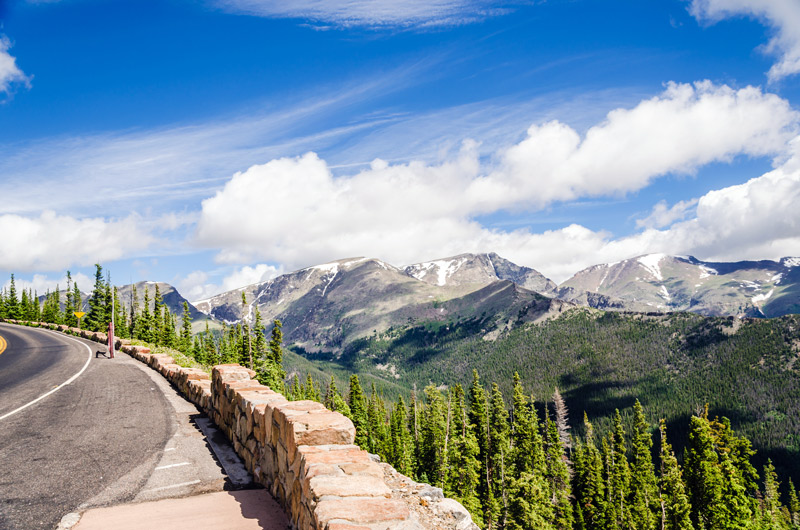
327, 306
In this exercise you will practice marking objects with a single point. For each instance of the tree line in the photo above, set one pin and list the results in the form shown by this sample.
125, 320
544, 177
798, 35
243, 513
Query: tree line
518, 468
151, 320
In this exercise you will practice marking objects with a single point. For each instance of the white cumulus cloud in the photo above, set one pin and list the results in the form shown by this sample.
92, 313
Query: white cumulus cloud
42, 283
294, 211
678, 131
56, 242
783, 16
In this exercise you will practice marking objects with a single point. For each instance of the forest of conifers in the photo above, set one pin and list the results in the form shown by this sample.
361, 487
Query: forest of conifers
510, 451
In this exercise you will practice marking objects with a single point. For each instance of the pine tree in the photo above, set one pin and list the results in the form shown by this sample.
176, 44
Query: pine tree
335, 401
247, 330
69, 304
619, 478
134, 313
259, 341
431, 459
358, 411
479, 418
718, 475
376, 422
275, 350
95, 319
310, 390
157, 321
145, 323
76, 299
674, 503
13, 311
499, 454
644, 488
270, 371
529, 504
186, 329
589, 484
464, 472
772, 512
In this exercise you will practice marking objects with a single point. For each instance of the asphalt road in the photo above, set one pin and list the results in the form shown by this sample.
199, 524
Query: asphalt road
99, 436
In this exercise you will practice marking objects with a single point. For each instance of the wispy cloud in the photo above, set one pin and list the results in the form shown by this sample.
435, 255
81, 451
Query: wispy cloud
663, 215
783, 16
170, 167
372, 13
10, 73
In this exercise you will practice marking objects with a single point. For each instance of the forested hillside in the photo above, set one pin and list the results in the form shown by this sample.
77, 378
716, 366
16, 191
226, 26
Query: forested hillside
746, 370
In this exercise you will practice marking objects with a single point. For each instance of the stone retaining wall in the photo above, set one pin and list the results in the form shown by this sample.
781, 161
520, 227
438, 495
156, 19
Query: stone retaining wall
302, 452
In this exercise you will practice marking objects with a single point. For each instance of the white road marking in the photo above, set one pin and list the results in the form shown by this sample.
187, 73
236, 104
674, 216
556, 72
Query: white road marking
65, 383
174, 486
173, 465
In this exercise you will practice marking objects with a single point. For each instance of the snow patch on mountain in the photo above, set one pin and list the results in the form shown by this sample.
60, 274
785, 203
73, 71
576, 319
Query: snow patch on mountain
707, 271
650, 262
444, 269
791, 262
665, 294
326, 267
604, 278
762, 297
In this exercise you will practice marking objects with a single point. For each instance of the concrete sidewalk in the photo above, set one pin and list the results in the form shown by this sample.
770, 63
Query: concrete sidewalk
231, 510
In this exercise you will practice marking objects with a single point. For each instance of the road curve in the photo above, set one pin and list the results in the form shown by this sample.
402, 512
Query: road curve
98, 435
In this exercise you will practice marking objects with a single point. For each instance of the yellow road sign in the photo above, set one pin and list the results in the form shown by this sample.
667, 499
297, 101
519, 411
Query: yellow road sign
79, 314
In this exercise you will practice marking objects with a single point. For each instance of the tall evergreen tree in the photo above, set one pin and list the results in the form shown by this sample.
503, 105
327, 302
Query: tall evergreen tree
619, 478
499, 455
589, 484
714, 465
401, 451
464, 473
529, 504
77, 300
186, 328
479, 418
270, 371
357, 402
773, 515
674, 503
335, 401
433, 433
95, 319
644, 487
13, 310
558, 474
69, 304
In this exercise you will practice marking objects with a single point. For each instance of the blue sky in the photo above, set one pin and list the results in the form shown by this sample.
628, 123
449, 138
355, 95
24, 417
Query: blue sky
215, 143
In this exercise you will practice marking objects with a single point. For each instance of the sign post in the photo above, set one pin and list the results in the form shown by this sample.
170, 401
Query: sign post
111, 339
111, 328
79, 315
